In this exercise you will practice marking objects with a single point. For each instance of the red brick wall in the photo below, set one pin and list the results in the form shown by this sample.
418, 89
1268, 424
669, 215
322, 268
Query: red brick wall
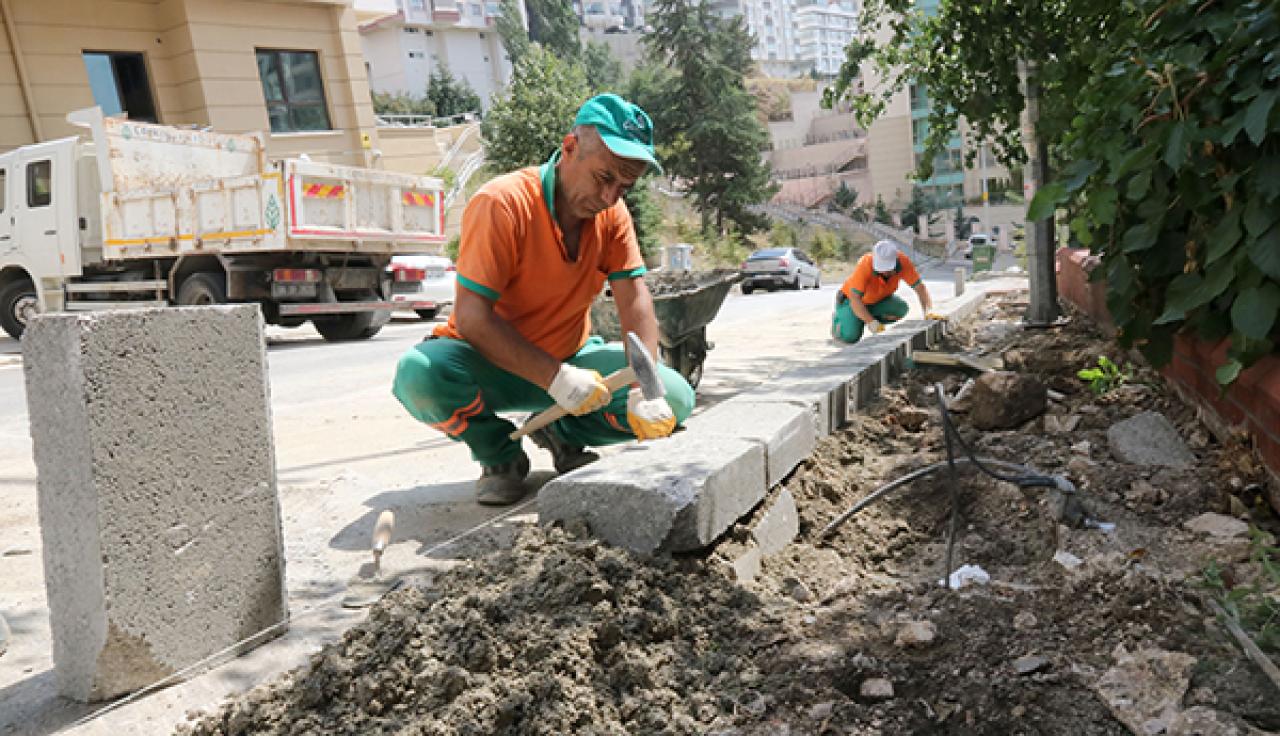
1253, 401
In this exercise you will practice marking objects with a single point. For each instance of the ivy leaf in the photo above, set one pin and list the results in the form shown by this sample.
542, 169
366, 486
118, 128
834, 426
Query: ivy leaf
1139, 185
1255, 118
1228, 372
1102, 206
1267, 180
1265, 252
1139, 237
1046, 201
1175, 150
1077, 173
1177, 298
1257, 217
1223, 238
1254, 312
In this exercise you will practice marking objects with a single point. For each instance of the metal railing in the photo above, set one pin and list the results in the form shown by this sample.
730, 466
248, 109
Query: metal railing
405, 120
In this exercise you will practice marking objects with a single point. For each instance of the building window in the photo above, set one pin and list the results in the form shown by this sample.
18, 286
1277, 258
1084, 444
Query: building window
476, 9
417, 55
411, 30
2, 189
120, 84
39, 183
294, 90
418, 4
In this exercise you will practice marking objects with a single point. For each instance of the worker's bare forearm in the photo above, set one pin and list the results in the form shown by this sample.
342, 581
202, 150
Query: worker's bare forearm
923, 292
635, 311
502, 345
860, 310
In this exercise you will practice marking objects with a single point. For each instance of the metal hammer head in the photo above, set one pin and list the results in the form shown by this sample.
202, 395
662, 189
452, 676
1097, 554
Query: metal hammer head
646, 368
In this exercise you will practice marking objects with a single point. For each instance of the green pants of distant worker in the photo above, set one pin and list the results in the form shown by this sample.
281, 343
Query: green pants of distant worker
846, 326
451, 386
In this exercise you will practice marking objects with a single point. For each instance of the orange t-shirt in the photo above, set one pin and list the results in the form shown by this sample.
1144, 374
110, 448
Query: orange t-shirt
871, 288
512, 252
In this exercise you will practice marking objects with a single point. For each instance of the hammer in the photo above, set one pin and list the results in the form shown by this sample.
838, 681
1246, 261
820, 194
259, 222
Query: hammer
641, 368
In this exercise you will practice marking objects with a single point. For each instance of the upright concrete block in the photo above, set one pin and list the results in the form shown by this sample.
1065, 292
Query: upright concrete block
786, 431
157, 490
673, 495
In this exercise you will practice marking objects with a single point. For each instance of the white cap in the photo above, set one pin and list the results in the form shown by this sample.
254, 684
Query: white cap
884, 256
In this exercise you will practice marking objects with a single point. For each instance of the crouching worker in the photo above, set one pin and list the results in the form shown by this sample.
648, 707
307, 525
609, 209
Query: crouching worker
536, 248
867, 300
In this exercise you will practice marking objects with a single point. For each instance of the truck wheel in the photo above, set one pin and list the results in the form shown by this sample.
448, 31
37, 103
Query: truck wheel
203, 289
428, 314
18, 304
341, 327
747, 288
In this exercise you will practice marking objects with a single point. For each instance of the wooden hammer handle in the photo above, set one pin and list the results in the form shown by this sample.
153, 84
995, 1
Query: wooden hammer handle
613, 381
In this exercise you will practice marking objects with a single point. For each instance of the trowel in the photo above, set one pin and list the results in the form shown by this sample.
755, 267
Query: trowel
365, 590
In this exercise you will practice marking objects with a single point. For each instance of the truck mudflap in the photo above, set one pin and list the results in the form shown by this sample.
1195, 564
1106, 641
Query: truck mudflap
323, 308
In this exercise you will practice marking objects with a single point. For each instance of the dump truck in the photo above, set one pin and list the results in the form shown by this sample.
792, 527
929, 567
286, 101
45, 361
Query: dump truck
133, 215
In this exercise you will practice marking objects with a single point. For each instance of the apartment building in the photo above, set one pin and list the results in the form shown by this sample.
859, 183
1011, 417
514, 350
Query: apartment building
823, 29
290, 68
772, 24
402, 48
816, 151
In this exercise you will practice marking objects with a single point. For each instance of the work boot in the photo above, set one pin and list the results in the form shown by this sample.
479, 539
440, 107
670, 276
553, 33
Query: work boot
503, 484
565, 456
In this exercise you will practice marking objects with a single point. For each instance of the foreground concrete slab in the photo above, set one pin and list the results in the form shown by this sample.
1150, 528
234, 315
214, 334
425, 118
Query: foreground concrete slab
674, 495
157, 490
786, 431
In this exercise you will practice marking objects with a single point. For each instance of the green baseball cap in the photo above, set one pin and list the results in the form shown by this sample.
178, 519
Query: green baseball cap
624, 127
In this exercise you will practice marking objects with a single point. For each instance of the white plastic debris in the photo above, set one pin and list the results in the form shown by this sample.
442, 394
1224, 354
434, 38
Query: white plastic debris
1067, 560
966, 574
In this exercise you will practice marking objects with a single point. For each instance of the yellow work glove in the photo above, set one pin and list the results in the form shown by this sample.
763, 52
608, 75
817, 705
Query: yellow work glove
579, 390
933, 315
650, 419
875, 327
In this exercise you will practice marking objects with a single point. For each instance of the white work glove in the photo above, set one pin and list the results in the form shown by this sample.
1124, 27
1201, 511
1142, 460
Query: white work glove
875, 327
579, 390
650, 419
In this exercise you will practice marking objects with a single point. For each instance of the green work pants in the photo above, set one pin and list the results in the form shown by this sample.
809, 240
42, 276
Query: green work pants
451, 386
846, 326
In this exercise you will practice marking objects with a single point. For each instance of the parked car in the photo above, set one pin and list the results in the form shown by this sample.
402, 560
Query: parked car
977, 239
773, 268
419, 280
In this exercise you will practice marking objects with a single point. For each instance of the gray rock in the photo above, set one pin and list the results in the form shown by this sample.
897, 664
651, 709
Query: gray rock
1005, 400
1149, 439
916, 634
876, 688
778, 526
1144, 690
1024, 621
1218, 526
1029, 664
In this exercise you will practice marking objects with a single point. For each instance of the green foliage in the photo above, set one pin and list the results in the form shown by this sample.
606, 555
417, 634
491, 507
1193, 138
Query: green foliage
824, 245
845, 197
451, 247
963, 227
526, 125
1105, 377
604, 71
451, 96
784, 235
705, 117
447, 174
1174, 176
966, 54
882, 215
554, 26
920, 204
646, 216
515, 39
1256, 607
402, 103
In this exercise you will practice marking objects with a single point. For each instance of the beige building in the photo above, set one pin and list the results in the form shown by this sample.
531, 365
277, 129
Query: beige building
290, 68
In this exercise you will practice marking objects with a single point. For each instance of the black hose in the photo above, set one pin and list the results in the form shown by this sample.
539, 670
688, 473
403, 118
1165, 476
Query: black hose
1020, 475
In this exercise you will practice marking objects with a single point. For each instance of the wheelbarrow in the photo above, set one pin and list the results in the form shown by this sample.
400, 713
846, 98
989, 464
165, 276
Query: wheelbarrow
684, 304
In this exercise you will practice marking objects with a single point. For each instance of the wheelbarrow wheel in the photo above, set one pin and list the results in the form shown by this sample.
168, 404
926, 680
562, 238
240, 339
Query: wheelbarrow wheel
687, 357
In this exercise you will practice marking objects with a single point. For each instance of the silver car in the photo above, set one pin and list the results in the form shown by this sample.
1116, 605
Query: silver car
775, 268
424, 284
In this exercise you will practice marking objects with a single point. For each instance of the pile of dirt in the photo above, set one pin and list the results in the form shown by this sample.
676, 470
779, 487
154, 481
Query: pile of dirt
847, 635
556, 636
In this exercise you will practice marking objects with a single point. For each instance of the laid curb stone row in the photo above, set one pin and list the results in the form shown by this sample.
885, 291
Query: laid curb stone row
682, 493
